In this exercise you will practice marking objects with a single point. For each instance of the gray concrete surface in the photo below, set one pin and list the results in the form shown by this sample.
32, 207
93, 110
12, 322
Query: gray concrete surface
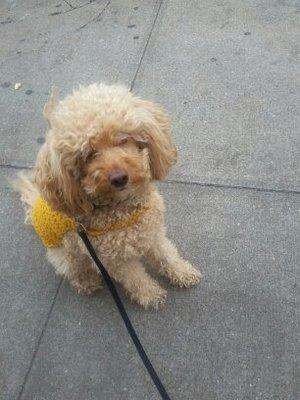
226, 71
58, 50
27, 289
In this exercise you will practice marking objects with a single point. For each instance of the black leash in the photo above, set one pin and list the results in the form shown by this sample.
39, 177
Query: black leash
155, 378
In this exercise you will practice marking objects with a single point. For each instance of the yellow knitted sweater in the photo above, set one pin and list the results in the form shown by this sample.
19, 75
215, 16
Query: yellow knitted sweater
51, 226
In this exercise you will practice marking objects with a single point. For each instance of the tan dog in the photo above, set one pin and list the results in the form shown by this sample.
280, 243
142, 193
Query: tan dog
104, 149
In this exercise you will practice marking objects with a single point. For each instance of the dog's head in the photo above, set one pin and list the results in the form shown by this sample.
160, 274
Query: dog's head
103, 145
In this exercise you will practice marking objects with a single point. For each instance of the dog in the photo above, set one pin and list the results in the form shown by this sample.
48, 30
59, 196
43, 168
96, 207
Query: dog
103, 152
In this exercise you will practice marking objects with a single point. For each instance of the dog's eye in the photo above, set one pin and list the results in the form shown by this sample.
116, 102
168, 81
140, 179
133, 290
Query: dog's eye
89, 155
94, 154
123, 140
141, 143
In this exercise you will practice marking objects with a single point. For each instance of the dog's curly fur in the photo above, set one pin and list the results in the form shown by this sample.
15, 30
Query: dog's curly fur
91, 134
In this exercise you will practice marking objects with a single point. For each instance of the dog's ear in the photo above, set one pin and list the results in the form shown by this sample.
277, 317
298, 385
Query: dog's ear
58, 180
51, 105
155, 128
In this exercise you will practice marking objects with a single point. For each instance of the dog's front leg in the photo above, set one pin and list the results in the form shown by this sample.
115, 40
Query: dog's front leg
164, 256
137, 283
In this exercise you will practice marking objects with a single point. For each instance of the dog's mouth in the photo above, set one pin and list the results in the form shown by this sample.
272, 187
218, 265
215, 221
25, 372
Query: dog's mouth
99, 204
110, 199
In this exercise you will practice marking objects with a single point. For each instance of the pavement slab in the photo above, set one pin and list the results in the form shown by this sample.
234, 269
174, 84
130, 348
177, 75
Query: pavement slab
102, 41
232, 337
27, 290
227, 74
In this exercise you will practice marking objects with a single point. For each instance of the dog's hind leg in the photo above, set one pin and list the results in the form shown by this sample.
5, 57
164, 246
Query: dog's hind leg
77, 268
164, 257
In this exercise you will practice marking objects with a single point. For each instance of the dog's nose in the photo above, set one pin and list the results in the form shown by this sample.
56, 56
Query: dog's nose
118, 178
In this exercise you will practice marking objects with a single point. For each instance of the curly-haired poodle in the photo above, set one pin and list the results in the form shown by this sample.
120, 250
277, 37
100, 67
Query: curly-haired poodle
104, 150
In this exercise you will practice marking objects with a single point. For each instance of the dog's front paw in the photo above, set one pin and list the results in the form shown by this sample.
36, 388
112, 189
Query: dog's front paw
185, 275
151, 297
87, 284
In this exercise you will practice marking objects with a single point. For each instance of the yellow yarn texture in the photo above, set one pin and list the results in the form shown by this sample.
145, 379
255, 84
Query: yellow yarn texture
50, 225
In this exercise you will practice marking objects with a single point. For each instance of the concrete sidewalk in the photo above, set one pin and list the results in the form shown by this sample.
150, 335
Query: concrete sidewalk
226, 71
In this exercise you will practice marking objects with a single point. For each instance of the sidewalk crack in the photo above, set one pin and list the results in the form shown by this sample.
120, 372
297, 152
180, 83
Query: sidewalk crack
11, 166
236, 187
146, 46
39, 342
195, 183
96, 18
70, 5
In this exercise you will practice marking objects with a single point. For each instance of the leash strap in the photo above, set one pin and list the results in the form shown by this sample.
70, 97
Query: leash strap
147, 363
